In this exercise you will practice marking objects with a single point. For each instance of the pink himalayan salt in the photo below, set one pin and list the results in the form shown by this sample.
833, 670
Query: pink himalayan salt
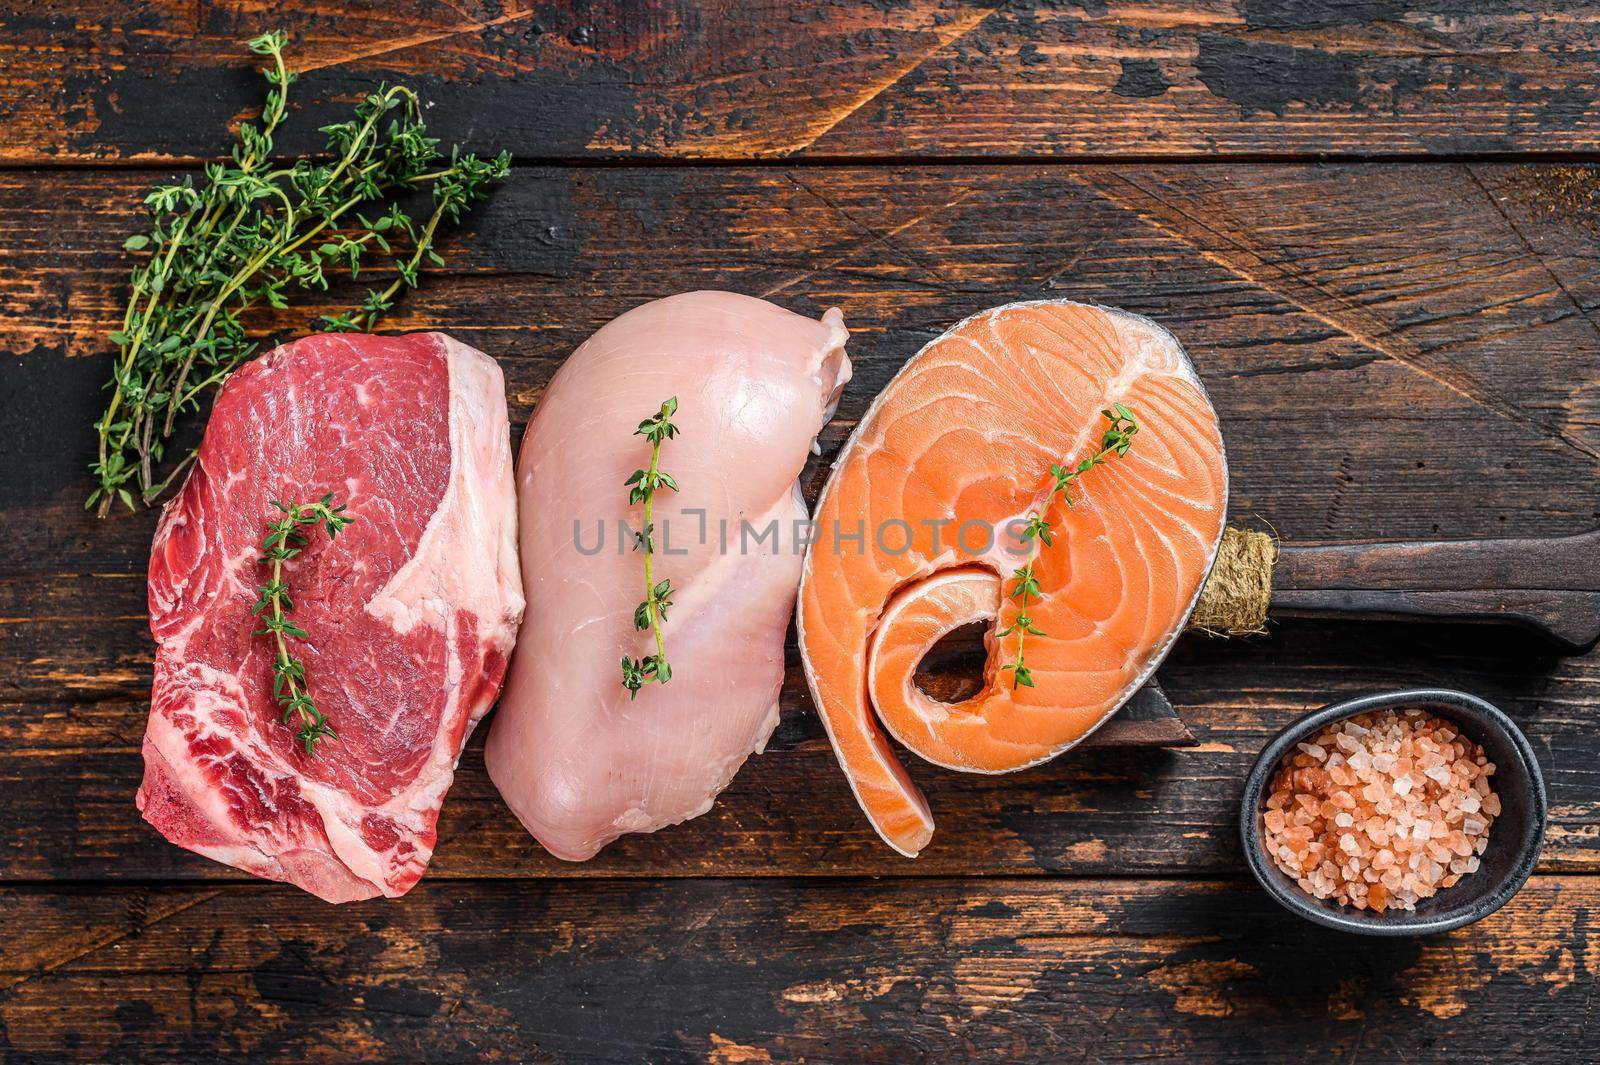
1381, 810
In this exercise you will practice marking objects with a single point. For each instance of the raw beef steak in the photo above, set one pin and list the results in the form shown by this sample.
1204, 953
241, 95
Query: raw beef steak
411, 612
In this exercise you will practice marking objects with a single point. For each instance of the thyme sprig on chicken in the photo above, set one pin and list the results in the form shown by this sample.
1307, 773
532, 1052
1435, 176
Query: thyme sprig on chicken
253, 232
652, 611
1116, 440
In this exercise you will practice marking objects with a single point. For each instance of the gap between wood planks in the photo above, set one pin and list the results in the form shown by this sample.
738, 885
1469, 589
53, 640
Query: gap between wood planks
55, 885
1233, 878
156, 161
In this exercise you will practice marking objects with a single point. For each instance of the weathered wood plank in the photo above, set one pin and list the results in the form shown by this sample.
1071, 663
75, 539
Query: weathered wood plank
1550, 584
731, 971
709, 79
70, 765
1396, 351
1449, 314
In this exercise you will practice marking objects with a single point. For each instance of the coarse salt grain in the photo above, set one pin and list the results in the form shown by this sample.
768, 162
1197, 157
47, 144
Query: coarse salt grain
1401, 799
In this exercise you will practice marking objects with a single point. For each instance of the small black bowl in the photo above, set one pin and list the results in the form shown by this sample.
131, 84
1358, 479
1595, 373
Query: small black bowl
1514, 838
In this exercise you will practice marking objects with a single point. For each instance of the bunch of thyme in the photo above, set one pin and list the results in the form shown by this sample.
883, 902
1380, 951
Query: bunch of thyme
643, 485
284, 541
253, 232
1116, 440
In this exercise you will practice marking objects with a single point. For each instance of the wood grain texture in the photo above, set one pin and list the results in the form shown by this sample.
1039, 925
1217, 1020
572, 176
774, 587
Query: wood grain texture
741, 971
1382, 341
107, 81
72, 763
1550, 585
1395, 350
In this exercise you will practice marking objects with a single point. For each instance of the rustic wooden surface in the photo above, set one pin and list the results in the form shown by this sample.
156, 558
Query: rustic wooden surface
695, 79
1372, 224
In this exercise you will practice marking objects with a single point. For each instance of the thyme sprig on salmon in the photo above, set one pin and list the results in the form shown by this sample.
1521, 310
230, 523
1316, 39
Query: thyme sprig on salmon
1116, 440
1025, 589
652, 610
284, 541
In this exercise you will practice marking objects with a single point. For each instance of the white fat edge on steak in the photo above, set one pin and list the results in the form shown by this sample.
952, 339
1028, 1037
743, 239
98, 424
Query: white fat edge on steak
479, 461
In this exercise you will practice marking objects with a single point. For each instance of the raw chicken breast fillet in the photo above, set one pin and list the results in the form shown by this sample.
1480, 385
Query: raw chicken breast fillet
578, 760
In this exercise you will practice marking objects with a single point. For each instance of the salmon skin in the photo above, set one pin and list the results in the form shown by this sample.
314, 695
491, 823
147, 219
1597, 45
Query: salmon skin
918, 532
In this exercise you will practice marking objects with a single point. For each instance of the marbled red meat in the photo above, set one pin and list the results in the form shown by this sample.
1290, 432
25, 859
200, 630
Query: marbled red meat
412, 611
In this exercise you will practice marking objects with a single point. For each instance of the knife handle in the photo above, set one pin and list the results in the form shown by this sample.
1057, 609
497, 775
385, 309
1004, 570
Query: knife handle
1551, 585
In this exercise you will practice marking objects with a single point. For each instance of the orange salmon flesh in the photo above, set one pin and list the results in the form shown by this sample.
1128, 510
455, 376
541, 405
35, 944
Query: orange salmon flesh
961, 441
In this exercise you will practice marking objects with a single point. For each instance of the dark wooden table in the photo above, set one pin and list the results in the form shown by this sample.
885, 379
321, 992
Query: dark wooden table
1371, 221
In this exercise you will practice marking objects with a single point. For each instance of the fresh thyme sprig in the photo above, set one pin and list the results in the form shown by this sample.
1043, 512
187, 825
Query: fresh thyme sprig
284, 541
1025, 589
1116, 440
250, 234
643, 485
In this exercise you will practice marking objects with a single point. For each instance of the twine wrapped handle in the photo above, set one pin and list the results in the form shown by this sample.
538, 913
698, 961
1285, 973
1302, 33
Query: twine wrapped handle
1235, 597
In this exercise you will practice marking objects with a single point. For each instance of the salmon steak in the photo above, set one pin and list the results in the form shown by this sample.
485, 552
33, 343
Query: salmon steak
920, 531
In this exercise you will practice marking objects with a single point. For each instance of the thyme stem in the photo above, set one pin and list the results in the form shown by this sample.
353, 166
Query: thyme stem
650, 558
652, 611
1116, 440
284, 541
